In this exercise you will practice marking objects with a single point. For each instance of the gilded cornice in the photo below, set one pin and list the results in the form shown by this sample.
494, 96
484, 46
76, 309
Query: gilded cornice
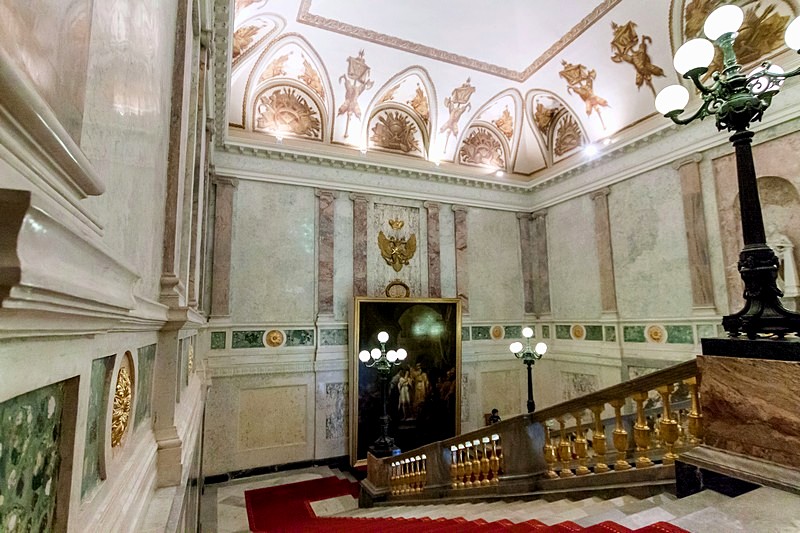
304, 16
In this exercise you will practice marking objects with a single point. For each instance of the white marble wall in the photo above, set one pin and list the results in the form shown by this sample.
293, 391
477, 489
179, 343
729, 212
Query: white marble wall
343, 257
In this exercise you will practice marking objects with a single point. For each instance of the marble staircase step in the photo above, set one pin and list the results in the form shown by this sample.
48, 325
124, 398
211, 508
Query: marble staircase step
646, 517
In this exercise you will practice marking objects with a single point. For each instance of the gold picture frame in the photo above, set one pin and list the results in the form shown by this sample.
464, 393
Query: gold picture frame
424, 400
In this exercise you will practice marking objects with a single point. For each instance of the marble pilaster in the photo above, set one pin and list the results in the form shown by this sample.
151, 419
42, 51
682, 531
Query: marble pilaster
696, 236
360, 206
223, 237
605, 256
434, 258
526, 249
541, 281
325, 246
462, 259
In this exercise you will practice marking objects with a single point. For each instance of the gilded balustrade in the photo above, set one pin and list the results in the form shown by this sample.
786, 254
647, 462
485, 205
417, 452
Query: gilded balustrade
408, 475
475, 463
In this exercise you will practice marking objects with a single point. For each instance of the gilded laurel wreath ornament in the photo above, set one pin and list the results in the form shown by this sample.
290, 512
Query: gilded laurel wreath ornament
120, 415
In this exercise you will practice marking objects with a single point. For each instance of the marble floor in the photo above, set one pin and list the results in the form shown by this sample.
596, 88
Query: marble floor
223, 507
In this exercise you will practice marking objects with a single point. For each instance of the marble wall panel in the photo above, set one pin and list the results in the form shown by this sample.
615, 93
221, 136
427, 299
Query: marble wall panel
94, 444
30, 459
572, 251
272, 257
447, 251
280, 425
650, 251
126, 124
332, 420
495, 269
501, 390
379, 273
343, 257
144, 383
575, 384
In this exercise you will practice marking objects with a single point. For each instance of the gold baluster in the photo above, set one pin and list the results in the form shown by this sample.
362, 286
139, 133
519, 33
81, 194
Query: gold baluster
423, 473
669, 426
461, 466
620, 437
476, 463
412, 485
549, 452
599, 441
696, 430
485, 463
641, 432
393, 479
468, 464
580, 445
494, 463
403, 476
409, 476
417, 474
454, 467
564, 450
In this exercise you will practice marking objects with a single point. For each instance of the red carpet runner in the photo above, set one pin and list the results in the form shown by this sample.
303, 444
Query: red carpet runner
286, 508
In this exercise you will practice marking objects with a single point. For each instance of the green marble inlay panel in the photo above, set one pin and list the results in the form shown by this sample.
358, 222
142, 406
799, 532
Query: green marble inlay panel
611, 333
679, 334
481, 333
30, 436
562, 331
218, 340
633, 333
546, 332
333, 337
248, 339
594, 333
513, 332
96, 422
465, 334
144, 383
706, 331
299, 337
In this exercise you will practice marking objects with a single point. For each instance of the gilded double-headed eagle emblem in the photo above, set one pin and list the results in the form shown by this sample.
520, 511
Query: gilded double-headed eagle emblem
397, 251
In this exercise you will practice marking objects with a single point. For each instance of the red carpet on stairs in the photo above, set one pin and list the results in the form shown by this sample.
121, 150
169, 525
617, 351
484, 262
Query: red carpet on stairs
286, 508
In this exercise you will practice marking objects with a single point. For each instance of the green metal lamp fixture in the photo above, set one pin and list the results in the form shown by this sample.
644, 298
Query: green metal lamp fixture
529, 357
383, 361
736, 100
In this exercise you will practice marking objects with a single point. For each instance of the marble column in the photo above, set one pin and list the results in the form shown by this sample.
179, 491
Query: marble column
605, 255
325, 246
434, 259
526, 249
541, 268
223, 235
462, 260
360, 205
696, 236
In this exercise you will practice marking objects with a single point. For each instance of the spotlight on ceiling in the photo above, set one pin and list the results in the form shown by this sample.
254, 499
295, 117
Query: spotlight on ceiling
590, 150
499, 174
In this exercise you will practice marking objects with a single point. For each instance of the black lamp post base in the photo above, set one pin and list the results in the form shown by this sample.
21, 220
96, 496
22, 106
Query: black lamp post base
384, 447
763, 311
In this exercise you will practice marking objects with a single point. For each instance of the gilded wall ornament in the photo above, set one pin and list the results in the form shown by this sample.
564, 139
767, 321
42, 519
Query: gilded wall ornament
274, 338
242, 39
505, 123
629, 48
286, 110
395, 131
310, 77
695, 15
397, 251
397, 289
580, 80
544, 117
396, 224
656, 334
390, 94
457, 104
578, 332
276, 68
356, 81
121, 412
482, 148
568, 136
420, 104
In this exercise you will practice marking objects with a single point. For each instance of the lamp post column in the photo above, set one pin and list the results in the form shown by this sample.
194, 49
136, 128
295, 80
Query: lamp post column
531, 403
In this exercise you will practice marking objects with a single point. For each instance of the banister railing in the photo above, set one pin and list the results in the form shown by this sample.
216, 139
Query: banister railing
520, 453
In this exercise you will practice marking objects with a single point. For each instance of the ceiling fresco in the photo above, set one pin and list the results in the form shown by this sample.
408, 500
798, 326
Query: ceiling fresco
515, 92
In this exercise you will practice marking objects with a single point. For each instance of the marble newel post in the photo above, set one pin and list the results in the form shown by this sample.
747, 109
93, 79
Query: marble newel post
434, 259
696, 236
605, 255
223, 234
541, 264
360, 205
462, 260
325, 245
526, 247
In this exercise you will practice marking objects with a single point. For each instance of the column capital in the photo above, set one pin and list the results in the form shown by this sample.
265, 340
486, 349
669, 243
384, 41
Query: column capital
542, 213
524, 214
326, 193
694, 158
431, 206
460, 208
600, 193
225, 181
356, 197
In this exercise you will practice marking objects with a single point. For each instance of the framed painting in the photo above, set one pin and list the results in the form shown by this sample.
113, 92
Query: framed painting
424, 391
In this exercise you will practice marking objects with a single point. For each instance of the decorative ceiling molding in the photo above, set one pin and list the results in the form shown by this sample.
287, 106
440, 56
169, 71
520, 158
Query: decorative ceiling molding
304, 16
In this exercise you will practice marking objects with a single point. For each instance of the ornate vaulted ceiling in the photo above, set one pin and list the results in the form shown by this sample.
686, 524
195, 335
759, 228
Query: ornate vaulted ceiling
513, 91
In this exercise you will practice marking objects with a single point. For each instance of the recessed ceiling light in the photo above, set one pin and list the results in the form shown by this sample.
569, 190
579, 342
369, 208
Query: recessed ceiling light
607, 141
499, 174
590, 149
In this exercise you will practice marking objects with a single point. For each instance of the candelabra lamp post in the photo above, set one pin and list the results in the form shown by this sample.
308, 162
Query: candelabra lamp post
383, 361
736, 100
529, 357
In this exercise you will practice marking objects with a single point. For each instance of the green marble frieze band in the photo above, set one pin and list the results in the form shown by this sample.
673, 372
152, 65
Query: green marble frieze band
144, 385
95, 423
594, 333
333, 337
633, 333
545, 332
562, 331
481, 333
610, 333
299, 337
513, 332
465, 336
30, 436
679, 334
218, 340
248, 339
